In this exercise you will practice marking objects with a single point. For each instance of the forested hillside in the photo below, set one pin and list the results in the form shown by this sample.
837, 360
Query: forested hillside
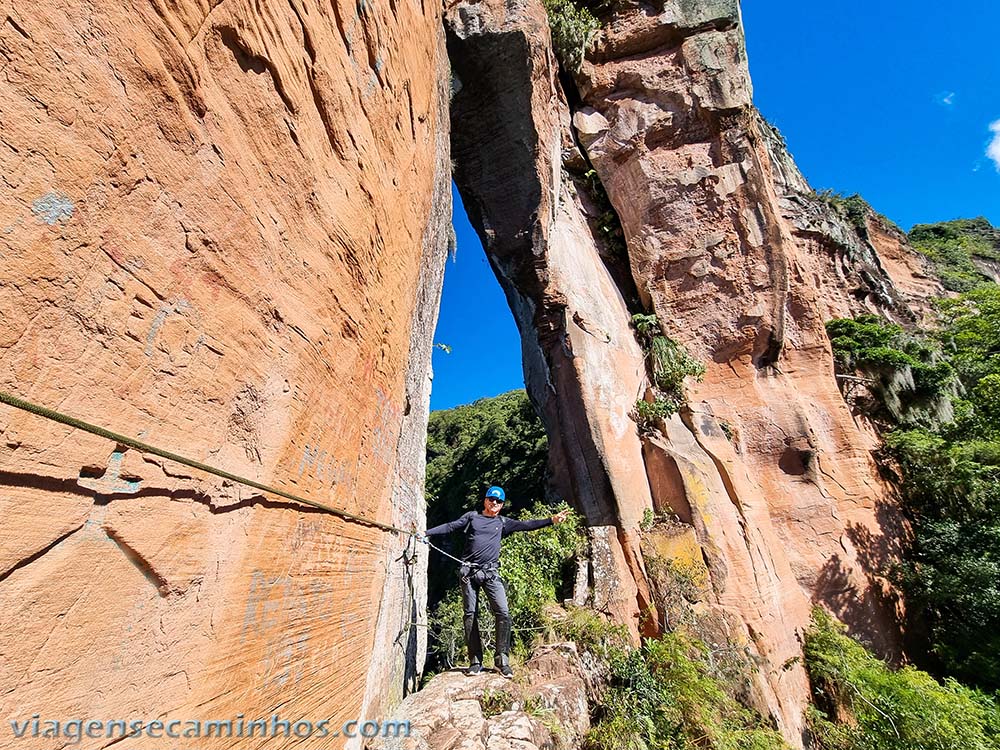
935, 395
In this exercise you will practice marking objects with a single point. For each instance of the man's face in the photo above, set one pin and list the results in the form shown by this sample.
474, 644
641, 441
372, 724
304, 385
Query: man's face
492, 507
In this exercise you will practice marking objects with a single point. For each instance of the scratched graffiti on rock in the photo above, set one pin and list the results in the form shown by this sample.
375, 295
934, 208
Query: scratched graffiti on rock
281, 613
111, 482
341, 473
52, 208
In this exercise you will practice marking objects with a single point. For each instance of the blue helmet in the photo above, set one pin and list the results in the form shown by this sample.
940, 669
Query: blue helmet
496, 492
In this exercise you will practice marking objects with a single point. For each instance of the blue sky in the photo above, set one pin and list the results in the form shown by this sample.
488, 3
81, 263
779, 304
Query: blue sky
891, 100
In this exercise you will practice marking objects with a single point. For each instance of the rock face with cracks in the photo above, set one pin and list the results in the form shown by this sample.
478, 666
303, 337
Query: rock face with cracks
741, 263
204, 245
223, 228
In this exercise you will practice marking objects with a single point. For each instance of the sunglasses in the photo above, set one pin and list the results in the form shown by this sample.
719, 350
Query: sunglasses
495, 500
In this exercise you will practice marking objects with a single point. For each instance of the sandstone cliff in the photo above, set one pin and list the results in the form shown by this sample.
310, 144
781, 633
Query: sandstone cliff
223, 228
740, 262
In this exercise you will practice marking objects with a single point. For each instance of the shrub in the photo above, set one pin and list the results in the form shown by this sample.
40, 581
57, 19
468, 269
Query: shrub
573, 27
911, 379
590, 631
669, 364
532, 566
953, 248
646, 327
648, 519
647, 413
853, 208
883, 709
665, 695
495, 702
950, 467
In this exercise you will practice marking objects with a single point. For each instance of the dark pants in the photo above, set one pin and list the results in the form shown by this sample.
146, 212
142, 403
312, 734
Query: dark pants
473, 580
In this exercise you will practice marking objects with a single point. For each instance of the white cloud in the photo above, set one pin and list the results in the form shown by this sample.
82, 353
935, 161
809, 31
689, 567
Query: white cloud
945, 98
993, 149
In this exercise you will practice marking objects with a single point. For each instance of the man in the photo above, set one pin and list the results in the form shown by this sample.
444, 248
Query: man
481, 561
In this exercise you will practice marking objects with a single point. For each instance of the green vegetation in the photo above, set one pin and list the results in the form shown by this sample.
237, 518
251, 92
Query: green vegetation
499, 441
669, 364
853, 208
907, 373
950, 472
496, 440
955, 246
666, 695
535, 706
647, 413
882, 709
573, 27
495, 702
648, 519
951, 480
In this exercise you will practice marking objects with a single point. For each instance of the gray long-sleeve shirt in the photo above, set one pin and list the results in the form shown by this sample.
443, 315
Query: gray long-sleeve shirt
483, 534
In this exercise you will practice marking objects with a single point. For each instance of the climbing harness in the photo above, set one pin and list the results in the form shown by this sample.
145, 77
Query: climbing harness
138, 445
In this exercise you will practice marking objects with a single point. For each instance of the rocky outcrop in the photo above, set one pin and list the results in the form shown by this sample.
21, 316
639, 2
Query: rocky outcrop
740, 261
223, 228
204, 246
545, 707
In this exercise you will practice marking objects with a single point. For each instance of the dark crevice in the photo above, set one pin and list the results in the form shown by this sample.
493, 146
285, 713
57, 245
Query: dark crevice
253, 63
70, 486
14, 25
41, 553
149, 573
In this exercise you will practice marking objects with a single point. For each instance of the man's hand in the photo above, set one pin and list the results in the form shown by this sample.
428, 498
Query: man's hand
560, 517
420, 536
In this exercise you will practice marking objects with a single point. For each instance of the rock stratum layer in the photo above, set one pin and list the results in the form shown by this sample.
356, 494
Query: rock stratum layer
741, 263
223, 228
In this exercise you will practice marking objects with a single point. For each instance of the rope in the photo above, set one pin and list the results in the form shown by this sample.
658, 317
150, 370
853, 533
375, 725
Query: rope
446, 554
138, 445
79, 424
415, 624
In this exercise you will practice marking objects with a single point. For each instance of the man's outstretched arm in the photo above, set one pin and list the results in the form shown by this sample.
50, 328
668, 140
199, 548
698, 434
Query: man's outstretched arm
511, 525
447, 528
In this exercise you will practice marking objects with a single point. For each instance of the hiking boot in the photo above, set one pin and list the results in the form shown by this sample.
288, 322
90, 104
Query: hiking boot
506, 671
474, 668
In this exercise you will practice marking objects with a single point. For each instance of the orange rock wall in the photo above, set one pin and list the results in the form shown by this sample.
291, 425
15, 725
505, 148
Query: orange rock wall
223, 228
743, 266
